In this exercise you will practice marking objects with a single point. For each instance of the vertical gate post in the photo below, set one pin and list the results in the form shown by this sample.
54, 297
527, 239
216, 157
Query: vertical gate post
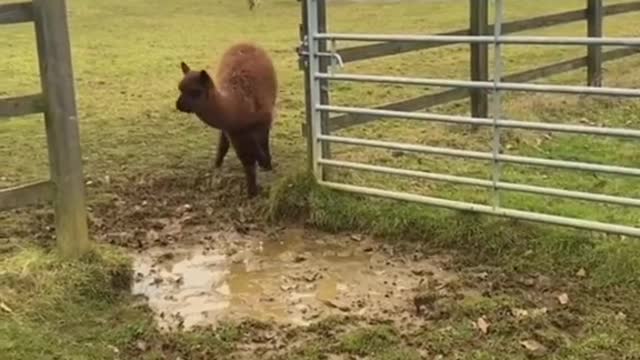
496, 110
325, 63
315, 87
65, 161
304, 66
479, 25
595, 16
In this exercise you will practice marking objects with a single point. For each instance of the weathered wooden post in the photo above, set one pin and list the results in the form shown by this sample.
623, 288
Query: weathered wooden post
595, 16
479, 25
65, 161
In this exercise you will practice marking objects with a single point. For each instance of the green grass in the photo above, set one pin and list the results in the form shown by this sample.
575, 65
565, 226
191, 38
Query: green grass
511, 244
138, 150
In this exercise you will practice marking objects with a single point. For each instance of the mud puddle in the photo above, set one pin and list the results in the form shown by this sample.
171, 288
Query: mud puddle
294, 277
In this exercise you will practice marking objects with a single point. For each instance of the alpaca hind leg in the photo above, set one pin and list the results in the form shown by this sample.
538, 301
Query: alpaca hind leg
263, 145
248, 153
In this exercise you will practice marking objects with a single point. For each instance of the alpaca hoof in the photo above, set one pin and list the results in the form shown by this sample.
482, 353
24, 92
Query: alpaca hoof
252, 192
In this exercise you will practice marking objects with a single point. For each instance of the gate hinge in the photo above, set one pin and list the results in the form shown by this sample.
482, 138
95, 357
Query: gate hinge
303, 54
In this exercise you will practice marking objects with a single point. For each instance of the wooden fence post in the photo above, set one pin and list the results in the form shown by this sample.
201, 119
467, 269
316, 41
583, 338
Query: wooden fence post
479, 25
65, 161
595, 16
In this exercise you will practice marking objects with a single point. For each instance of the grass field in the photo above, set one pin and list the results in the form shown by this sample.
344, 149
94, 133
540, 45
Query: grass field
138, 149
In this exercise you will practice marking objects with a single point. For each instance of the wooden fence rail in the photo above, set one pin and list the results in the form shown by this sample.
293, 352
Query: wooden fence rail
594, 12
57, 102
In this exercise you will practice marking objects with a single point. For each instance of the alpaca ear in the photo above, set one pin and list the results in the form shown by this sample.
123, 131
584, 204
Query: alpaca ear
205, 79
185, 68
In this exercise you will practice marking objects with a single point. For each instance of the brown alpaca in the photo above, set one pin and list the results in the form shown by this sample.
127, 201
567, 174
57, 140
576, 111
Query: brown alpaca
240, 104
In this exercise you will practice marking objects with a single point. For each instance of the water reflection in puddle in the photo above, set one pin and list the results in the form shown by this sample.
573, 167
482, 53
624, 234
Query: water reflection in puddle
291, 279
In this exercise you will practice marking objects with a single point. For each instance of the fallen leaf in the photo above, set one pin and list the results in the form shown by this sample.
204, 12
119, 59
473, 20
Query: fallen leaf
336, 305
141, 345
538, 312
563, 299
357, 238
620, 316
534, 347
581, 273
523, 313
482, 325
520, 313
152, 236
6, 308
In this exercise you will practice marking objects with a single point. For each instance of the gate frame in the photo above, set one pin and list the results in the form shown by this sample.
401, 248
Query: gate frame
314, 13
66, 188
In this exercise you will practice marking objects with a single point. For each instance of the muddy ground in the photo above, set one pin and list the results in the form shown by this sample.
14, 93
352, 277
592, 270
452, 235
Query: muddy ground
290, 277
205, 258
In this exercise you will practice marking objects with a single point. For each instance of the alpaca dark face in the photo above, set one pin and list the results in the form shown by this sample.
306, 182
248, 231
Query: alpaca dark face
194, 88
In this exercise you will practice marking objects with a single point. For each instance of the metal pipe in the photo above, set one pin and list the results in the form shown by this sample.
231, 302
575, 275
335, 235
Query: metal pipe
572, 165
466, 39
465, 206
580, 90
496, 145
514, 124
531, 189
315, 98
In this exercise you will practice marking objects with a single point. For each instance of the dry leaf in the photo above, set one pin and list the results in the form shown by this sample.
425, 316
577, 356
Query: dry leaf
356, 237
538, 312
563, 299
483, 325
581, 273
152, 236
520, 313
6, 308
620, 316
534, 347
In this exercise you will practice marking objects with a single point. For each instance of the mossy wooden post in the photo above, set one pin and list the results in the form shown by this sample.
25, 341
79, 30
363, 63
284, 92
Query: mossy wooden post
594, 53
65, 161
479, 25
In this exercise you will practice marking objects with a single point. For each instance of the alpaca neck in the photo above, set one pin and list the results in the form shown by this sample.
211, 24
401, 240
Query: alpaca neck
215, 112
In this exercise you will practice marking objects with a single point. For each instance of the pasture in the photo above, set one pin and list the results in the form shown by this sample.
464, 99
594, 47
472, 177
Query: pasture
521, 289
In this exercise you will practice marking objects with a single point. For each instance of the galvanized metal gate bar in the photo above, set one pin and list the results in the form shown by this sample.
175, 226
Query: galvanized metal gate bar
496, 156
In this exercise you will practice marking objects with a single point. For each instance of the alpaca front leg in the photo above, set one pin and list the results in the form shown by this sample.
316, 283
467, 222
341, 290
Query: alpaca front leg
223, 148
251, 178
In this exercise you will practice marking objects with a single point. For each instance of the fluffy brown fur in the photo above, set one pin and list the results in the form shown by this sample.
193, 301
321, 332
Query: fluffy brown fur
241, 104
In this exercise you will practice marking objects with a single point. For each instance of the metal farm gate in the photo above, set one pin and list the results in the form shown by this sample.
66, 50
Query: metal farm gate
319, 57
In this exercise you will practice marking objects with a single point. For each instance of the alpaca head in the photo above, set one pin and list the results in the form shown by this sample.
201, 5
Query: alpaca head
195, 88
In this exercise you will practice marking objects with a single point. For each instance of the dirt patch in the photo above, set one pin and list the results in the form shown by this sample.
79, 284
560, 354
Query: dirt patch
290, 277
